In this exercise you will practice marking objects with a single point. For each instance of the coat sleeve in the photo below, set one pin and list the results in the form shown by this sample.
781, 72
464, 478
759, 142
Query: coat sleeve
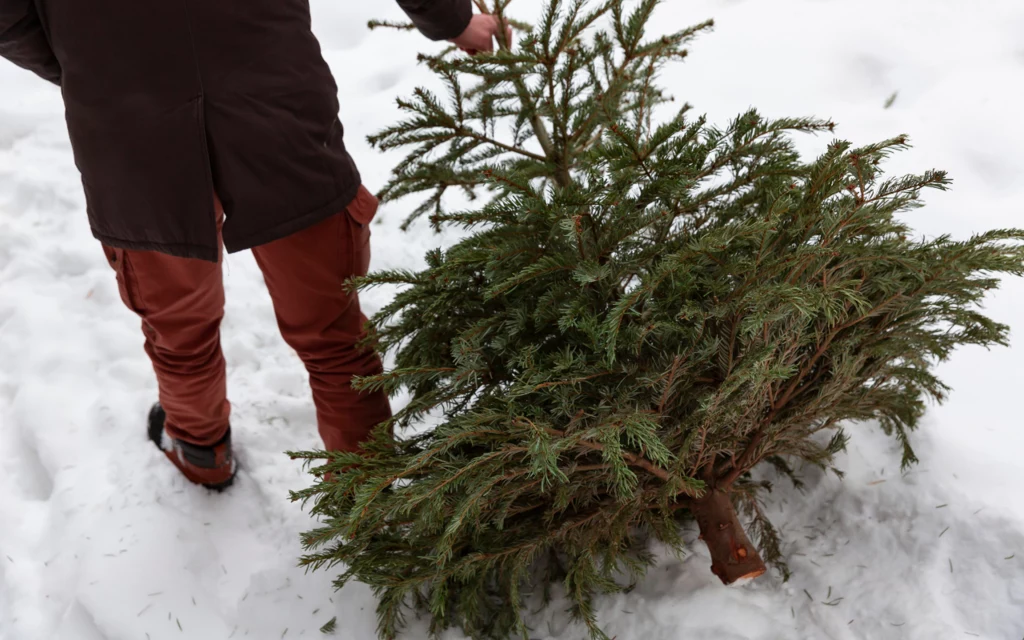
437, 19
23, 41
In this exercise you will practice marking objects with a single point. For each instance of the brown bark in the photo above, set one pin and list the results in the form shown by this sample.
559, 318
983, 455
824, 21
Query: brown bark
733, 557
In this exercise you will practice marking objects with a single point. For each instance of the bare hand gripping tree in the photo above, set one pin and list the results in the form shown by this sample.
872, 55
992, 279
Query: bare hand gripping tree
647, 308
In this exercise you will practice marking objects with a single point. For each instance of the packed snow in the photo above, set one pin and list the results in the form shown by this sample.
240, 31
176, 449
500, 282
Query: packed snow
101, 539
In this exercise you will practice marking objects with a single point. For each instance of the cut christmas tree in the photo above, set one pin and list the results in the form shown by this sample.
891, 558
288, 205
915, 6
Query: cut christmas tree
646, 308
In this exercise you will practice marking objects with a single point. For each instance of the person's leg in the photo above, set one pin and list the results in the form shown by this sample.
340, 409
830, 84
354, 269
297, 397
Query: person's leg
181, 303
323, 323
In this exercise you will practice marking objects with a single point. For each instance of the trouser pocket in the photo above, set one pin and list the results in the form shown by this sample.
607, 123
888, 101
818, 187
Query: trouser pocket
361, 212
127, 284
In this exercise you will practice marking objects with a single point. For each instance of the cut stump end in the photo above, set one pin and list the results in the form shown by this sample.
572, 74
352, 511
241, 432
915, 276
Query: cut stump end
733, 557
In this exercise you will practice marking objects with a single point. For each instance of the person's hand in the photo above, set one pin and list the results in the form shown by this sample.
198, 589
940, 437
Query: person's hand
479, 35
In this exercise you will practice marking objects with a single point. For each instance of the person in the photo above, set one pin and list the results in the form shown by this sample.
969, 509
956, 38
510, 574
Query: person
204, 126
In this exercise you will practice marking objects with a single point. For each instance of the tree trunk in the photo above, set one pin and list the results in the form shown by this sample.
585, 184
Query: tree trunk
733, 557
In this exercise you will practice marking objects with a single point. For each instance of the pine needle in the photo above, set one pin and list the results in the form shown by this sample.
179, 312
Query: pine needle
329, 627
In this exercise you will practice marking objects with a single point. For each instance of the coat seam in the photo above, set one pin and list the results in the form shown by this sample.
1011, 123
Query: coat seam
204, 142
192, 44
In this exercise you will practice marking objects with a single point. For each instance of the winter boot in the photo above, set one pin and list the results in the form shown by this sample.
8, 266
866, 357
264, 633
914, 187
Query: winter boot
212, 466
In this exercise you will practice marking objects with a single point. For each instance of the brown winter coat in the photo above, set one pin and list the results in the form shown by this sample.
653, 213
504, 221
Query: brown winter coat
170, 101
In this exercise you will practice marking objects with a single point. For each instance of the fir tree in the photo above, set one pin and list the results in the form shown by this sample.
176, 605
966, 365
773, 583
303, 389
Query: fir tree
647, 308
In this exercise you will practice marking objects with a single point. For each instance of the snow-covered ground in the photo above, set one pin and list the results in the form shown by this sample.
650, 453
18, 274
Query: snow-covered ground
100, 539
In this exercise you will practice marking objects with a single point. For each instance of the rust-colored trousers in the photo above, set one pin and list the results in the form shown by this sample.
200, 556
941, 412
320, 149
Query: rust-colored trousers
181, 303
